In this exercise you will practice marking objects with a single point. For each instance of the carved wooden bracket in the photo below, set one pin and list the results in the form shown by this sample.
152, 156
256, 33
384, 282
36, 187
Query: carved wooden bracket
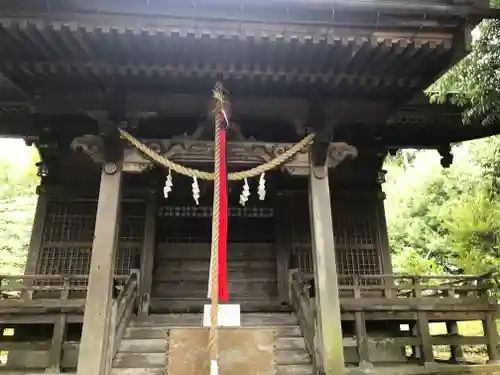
201, 152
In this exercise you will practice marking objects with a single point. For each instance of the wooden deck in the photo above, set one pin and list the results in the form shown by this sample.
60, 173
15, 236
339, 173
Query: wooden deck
33, 302
37, 301
368, 300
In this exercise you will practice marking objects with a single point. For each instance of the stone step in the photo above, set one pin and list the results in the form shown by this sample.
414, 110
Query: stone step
293, 357
281, 370
138, 371
140, 360
189, 320
161, 332
290, 343
143, 346
295, 370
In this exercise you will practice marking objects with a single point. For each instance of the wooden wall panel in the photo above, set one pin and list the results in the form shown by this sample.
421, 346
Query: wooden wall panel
182, 255
181, 271
358, 231
68, 234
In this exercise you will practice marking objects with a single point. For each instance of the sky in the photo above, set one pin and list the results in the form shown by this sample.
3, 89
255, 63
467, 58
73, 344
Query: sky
15, 150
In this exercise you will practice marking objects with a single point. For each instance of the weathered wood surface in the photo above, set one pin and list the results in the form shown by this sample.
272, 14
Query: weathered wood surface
195, 305
33, 356
42, 306
242, 351
33, 286
328, 317
304, 307
96, 331
147, 256
144, 341
436, 369
28, 318
123, 312
181, 271
193, 320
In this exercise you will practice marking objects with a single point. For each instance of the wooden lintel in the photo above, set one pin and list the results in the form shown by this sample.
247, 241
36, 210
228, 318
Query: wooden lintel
46, 305
239, 153
271, 107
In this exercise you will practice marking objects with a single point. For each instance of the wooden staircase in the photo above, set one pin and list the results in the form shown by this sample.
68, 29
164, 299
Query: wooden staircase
143, 348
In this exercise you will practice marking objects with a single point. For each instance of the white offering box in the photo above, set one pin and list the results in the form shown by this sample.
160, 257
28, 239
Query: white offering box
228, 316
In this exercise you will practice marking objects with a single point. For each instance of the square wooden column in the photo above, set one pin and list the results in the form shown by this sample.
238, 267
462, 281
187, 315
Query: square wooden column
35, 244
147, 256
283, 247
93, 357
329, 325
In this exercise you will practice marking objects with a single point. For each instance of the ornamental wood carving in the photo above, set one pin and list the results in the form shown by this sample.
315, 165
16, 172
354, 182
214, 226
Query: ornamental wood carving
200, 152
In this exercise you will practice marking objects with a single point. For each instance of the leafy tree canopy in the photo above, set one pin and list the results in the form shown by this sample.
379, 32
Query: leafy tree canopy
17, 208
473, 83
444, 220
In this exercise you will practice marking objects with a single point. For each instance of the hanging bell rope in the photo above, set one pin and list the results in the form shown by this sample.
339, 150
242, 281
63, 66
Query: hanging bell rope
219, 206
202, 175
213, 337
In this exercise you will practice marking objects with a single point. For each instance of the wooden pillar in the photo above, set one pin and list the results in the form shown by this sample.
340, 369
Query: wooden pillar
426, 352
383, 234
37, 232
147, 256
282, 248
457, 355
491, 334
325, 272
58, 335
93, 357
361, 334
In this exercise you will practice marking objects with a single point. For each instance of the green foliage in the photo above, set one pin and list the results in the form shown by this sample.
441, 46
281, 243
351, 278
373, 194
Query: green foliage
17, 207
445, 220
473, 83
473, 223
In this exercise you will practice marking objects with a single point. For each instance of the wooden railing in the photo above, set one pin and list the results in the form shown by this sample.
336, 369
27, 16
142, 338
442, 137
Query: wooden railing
408, 298
305, 309
412, 286
64, 296
123, 309
25, 286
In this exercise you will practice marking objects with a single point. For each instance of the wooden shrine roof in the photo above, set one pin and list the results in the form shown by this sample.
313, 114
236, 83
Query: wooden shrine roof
61, 60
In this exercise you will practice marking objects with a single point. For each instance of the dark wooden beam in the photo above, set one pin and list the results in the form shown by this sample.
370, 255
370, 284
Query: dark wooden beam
11, 91
132, 15
251, 106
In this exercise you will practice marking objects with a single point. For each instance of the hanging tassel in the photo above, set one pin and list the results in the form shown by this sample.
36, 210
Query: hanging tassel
196, 191
223, 216
245, 193
262, 187
168, 184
